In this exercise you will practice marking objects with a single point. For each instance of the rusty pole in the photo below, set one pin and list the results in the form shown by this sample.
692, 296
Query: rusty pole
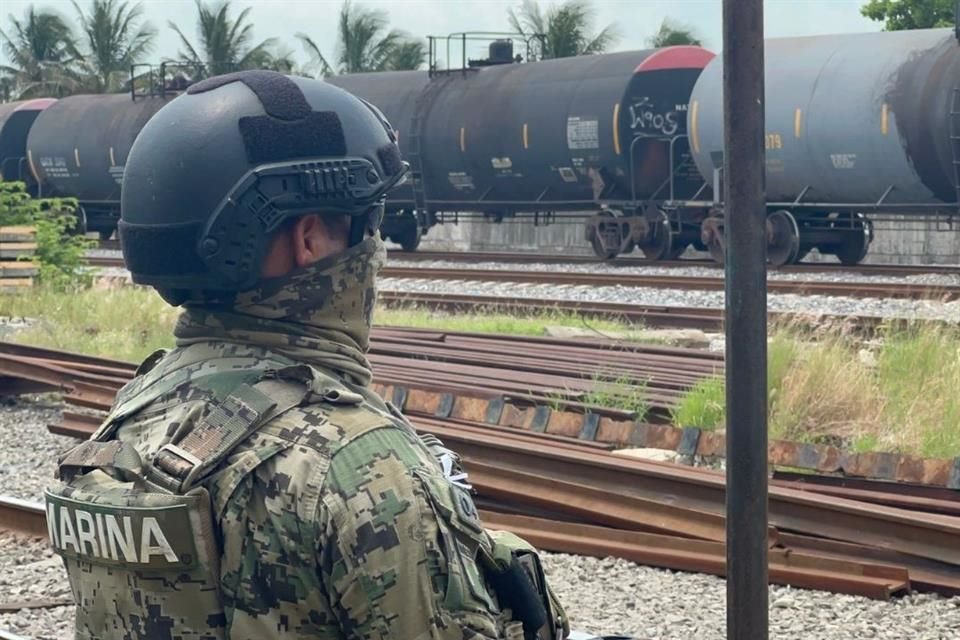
746, 320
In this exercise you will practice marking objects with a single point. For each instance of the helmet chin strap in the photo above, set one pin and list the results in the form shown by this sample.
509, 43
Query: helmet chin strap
369, 222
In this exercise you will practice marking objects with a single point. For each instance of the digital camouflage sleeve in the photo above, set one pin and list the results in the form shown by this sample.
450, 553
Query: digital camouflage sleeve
348, 528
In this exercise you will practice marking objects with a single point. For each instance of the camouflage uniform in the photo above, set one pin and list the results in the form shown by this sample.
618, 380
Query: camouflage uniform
335, 519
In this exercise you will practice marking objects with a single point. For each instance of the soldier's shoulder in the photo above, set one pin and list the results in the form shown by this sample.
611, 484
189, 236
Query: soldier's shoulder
326, 427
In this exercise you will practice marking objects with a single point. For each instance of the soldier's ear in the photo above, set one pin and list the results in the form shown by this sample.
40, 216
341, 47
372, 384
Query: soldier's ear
312, 240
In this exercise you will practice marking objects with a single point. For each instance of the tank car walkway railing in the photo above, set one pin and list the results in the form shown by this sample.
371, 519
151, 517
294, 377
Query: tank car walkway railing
955, 140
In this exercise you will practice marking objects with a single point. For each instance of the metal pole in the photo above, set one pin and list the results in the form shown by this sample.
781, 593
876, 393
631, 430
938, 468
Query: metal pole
746, 320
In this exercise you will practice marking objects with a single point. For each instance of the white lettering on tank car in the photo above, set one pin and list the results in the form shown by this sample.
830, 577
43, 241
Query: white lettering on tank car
843, 160
583, 133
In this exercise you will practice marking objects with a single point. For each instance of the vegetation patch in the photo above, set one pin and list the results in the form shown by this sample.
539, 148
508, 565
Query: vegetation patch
126, 323
897, 394
59, 253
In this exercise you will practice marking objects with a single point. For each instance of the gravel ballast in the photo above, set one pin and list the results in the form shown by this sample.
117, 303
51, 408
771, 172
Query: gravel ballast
30, 451
613, 596
810, 304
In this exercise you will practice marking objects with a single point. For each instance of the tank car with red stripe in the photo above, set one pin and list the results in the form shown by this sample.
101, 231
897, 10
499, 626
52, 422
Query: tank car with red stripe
498, 140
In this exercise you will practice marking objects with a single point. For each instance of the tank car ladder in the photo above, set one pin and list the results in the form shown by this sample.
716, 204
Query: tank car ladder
414, 157
955, 140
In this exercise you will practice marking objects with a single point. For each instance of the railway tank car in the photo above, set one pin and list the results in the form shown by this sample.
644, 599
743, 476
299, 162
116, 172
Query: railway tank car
78, 147
16, 119
854, 124
559, 135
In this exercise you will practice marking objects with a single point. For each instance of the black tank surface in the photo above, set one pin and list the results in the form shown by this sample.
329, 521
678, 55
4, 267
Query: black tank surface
395, 93
78, 147
550, 135
16, 118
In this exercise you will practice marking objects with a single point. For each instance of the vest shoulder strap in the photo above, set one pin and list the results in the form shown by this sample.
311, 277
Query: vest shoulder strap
232, 418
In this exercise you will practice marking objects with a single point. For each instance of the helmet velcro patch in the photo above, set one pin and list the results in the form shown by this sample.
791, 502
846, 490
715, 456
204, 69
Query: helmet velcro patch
390, 160
280, 96
319, 134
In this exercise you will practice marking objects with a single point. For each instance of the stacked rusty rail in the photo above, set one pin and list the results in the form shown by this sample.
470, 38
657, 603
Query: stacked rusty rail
574, 374
573, 495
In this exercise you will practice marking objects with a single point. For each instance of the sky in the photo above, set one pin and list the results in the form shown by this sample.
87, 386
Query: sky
633, 20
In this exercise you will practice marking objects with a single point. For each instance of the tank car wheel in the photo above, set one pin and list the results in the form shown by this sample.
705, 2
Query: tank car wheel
80, 227
783, 238
855, 245
659, 241
409, 238
711, 235
677, 250
606, 235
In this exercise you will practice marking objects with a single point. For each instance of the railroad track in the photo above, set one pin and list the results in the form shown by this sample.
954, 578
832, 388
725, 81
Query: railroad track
628, 261
909, 290
472, 257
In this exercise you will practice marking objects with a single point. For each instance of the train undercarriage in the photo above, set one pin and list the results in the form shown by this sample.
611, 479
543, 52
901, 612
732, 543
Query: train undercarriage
665, 232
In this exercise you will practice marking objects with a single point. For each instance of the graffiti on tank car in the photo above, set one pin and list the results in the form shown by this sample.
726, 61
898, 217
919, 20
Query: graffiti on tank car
646, 117
843, 160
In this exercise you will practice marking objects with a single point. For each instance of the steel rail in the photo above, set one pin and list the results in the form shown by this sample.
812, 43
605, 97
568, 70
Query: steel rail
925, 535
22, 516
796, 569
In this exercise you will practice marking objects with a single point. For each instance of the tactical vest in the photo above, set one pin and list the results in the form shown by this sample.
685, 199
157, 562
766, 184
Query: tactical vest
139, 538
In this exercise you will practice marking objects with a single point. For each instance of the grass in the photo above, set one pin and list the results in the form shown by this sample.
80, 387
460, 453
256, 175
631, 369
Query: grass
129, 323
899, 394
618, 393
123, 323
502, 323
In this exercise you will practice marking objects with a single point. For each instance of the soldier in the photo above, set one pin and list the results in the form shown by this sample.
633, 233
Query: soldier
249, 484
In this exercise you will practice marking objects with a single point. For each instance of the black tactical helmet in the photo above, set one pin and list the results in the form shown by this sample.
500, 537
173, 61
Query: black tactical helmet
214, 172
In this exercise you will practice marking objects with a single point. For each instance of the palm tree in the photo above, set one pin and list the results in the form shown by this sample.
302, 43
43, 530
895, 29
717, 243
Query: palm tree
41, 49
366, 45
671, 35
113, 41
282, 60
406, 55
565, 28
224, 41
